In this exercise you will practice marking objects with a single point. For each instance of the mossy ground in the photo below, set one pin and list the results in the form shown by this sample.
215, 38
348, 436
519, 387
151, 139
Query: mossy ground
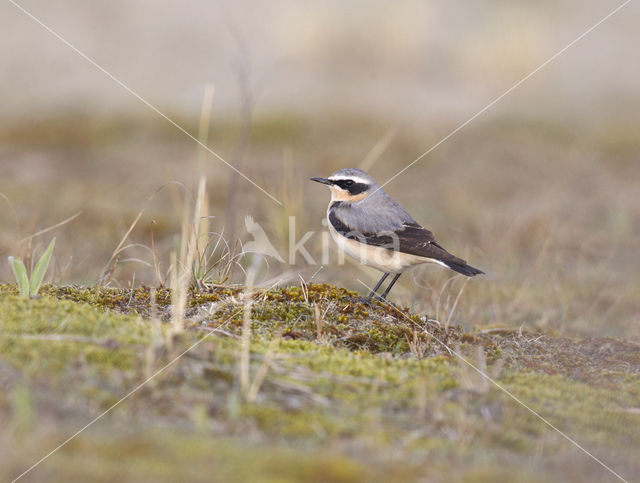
351, 392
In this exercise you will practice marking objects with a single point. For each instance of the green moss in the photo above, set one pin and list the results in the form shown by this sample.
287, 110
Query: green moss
163, 455
371, 388
45, 334
596, 414
46, 315
290, 311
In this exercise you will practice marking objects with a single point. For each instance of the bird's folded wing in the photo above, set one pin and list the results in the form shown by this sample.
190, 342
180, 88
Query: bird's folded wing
412, 239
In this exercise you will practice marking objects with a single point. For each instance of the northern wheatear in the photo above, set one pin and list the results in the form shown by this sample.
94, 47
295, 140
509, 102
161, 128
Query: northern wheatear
373, 228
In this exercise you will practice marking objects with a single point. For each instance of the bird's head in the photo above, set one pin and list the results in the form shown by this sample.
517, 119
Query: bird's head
349, 184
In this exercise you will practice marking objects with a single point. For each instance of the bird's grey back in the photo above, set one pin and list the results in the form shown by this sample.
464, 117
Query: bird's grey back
375, 213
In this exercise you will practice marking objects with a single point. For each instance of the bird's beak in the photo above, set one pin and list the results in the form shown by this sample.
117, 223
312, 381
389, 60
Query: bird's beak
322, 180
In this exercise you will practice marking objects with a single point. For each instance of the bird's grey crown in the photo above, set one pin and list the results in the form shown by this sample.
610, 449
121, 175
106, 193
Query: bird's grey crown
376, 212
349, 173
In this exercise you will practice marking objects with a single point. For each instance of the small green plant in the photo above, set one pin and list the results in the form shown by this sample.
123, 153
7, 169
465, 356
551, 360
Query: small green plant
29, 287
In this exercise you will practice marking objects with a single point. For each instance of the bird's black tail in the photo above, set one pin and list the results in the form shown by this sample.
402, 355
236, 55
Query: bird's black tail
464, 269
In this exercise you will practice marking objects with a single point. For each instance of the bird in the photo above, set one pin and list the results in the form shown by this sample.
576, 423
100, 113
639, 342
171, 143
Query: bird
370, 226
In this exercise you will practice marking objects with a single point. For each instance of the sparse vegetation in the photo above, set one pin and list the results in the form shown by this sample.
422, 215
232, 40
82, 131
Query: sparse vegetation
374, 396
29, 286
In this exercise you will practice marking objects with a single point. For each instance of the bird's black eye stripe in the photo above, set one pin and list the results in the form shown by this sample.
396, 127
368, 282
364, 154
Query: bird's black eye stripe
351, 186
344, 183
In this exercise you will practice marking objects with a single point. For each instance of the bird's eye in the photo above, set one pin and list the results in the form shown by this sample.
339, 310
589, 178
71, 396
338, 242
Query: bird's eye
349, 182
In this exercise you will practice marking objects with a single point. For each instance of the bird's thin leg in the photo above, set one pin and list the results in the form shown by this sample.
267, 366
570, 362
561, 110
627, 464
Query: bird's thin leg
375, 289
395, 279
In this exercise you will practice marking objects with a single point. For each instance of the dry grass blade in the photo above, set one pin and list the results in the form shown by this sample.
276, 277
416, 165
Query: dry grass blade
52, 227
203, 127
416, 346
262, 371
245, 345
156, 266
305, 289
455, 304
41, 232
11, 208
245, 348
183, 263
319, 323
108, 268
244, 358
440, 294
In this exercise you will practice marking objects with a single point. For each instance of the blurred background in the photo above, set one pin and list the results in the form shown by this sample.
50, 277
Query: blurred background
540, 191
